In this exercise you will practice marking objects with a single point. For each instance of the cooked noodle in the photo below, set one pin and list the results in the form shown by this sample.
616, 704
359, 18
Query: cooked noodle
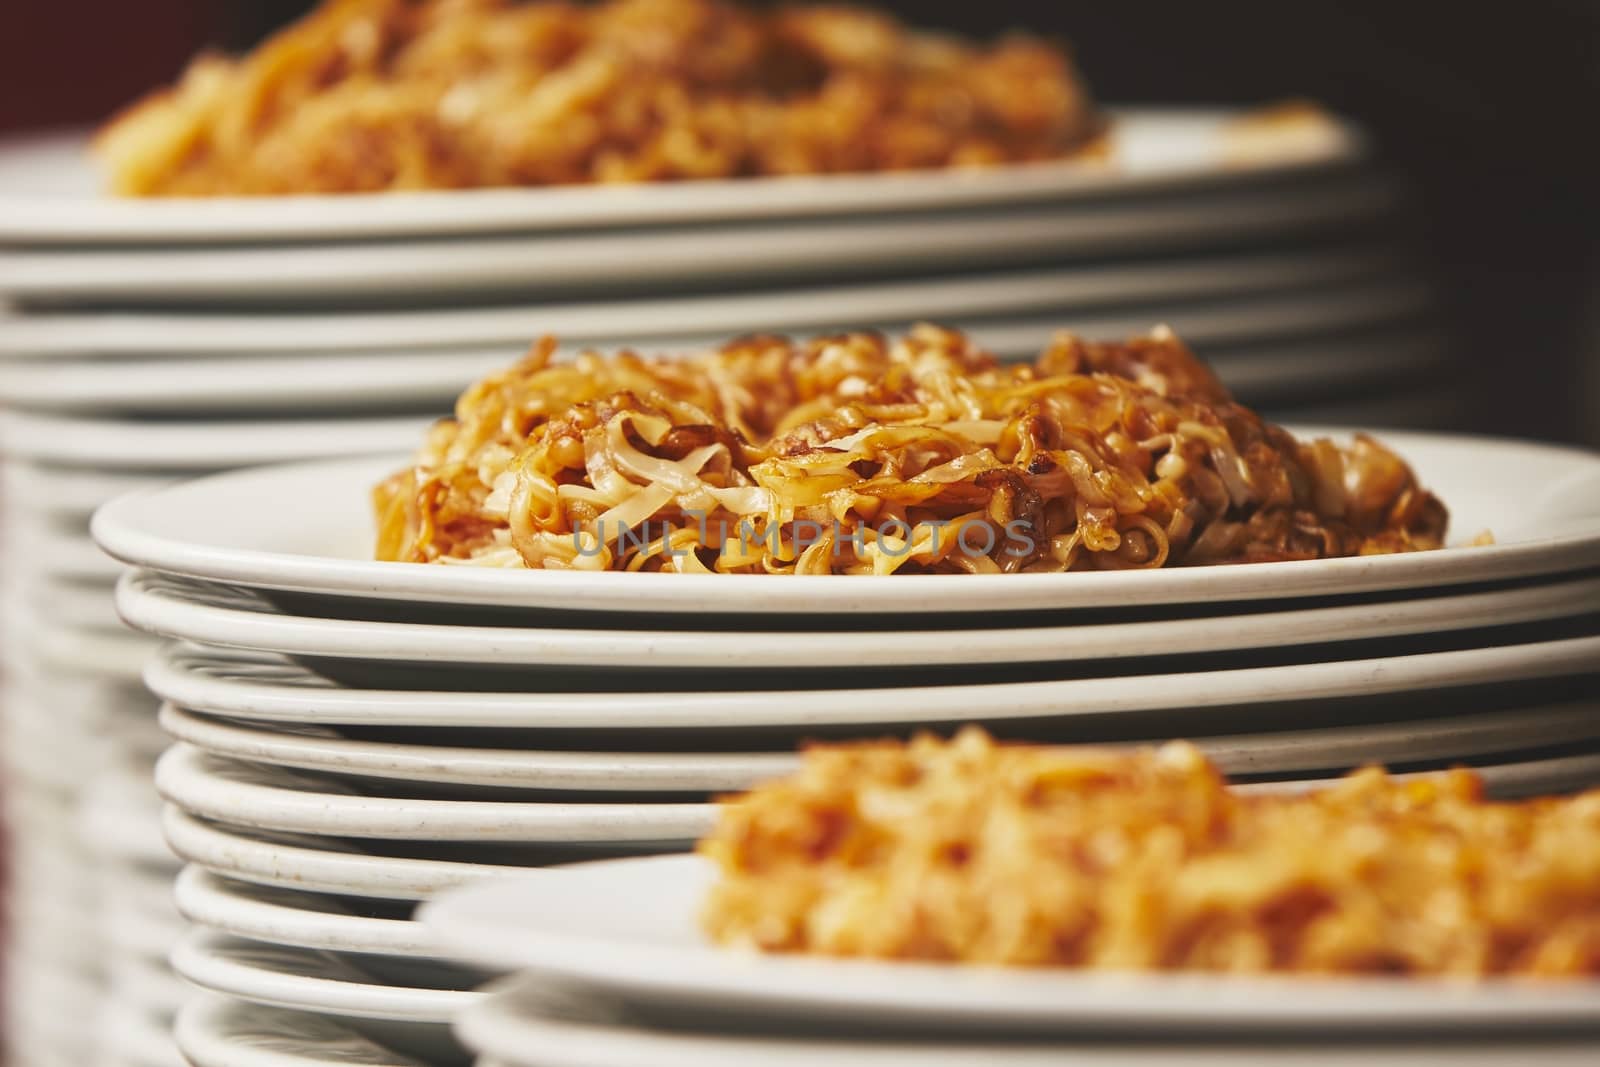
975, 852
371, 95
854, 455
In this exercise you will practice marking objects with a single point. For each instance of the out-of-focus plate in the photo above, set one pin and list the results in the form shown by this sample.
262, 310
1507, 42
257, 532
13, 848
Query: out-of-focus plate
593, 264
630, 927
231, 617
1296, 365
413, 1017
214, 1031
1254, 698
1008, 312
1275, 752
533, 1021
49, 191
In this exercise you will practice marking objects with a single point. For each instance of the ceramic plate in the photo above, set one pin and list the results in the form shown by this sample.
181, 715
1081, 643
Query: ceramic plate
235, 528
630, 926
592, 264
304, 920
233, 618
49, 192
324, 865
536, 1023
1277, 752
276, 799
303, 979
1293, 366
605, 772
217, 1032
1254, 697
1007, 312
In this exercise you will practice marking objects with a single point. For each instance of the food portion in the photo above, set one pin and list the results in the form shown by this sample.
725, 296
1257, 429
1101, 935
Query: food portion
973, 852
855, 454
375, 95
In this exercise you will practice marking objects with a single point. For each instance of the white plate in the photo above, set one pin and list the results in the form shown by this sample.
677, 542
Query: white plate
630, 926
1031, 302
1276, 752
605, 772
307, 980
535, 1023
1257, 695
323, 865
304, 382
271, 798
591, 264
217, 1032
323, 545
49, 191
276, 800
199, 445
303, 920
229, 617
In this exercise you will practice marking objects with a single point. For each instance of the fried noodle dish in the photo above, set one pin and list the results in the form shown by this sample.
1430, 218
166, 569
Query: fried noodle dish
375, 95
854, 454
974, 852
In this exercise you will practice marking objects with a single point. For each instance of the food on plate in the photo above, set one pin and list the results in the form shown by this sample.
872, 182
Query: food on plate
970, 851
857, 454
376, 95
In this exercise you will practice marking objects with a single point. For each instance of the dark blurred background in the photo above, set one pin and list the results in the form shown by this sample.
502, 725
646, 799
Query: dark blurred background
1492, 110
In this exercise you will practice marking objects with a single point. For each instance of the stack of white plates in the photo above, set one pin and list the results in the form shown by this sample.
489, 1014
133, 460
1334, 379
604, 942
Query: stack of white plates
355, 736
1282, 265
624, 978
146, 340
89, 905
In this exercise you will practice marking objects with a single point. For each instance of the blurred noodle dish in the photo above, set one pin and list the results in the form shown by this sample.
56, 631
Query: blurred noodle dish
857, 454
375, 95
968, 851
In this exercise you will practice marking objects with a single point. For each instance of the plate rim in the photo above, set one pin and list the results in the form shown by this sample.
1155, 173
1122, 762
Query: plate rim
207, 844
1015, 299
462, 920
522, 1006
203, 899
104, 219
1082, 696
1074, 234
188, 777
116, 529
149, 602
199, 1031
202, 958
1294, 752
